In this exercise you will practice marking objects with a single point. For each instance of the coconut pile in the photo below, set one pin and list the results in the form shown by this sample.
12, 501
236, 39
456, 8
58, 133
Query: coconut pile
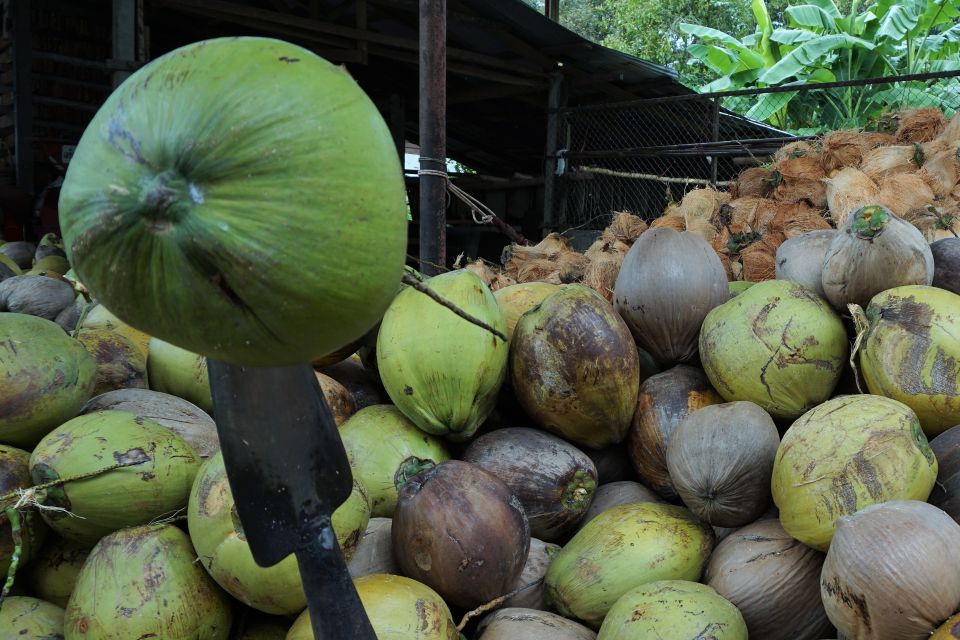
809, 186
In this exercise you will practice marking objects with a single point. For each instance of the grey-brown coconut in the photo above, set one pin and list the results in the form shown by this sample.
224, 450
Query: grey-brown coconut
892, 571
946, 264
374, 552
529, 624
614, 494
667, 284
720, 459
460, 531
873, 251
36, 296
20, 252
801, 258
946, 491
531, 578
773, 580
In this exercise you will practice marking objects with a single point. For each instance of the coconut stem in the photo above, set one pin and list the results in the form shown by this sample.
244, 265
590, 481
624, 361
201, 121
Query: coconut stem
493, 604
433, 295
14, 517
870, 221
861, 323
410, 468
578, 492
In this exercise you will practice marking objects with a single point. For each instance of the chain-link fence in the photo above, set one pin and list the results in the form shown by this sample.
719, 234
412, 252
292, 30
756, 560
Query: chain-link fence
639, 156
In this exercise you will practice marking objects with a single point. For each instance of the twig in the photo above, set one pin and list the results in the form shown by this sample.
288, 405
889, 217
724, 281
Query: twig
433, 295
493, 604
861, 323
15, 528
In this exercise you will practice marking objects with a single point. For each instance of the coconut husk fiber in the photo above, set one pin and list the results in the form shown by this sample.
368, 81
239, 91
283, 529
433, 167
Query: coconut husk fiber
744, 214
796, 219
493, 278
672, 221
702, 204
844, 148
847, 190
602, 271
753, 182
625, 228
799, 179
551, 260
887, 161
941, 172
935, 222
951, 132
703, 228
920, 125
793, 150
759, 262
903, 192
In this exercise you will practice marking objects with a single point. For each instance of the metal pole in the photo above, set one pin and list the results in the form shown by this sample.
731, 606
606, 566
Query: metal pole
555, 100
715, 137
552, 9
23, 95
433, 134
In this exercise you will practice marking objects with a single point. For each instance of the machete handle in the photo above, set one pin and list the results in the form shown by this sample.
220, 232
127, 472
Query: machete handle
336, 612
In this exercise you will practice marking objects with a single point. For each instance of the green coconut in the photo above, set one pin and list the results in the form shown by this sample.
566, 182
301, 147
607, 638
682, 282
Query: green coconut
258, 191
144, 582
622, 548
56, 264
674, 609
379, 440
846, 454
517, 299
398, 608
441, 371
180, 373
53, 573
738, 286
218, 537
15, 474
575, 367
778, 345
154, 481
99, 317
47, 376
120, 364
911, 352
23, 618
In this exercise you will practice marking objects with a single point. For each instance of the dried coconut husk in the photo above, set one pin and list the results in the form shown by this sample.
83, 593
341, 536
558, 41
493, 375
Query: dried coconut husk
672, 221
764, 214
759, 262
752, 182
736, 269
727, 265
793, 220
874, 139
481, 268
702, 204
719, 243
702, 227
798, 179
571, 266
920, 125
903, 192
941, 171
741, 215
844, 148
935, 223
538, 270
951, 132
601, 273
847, 190
794, 150
887, 161
625, 227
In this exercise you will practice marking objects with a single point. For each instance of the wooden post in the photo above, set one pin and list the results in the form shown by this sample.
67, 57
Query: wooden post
22, 94
551, 8
124, 37
715, 137
433, 134
556, 99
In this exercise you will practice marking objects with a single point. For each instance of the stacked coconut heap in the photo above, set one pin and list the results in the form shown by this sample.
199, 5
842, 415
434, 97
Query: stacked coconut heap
809, 186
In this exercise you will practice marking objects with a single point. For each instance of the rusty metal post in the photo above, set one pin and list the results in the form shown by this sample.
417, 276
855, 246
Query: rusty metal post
551, 8
433, 134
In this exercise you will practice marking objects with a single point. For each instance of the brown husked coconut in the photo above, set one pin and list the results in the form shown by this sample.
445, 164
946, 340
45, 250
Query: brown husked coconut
847, 190
920, 125
887, 161
773, 580
671, 221
493, 278
727, 264
529, 624
941, 171
764, 216
740, 214
759, 261
793, 220
843, 148
903, 192
338, 398
754, 182
892, 571
951, 132
702, 228
626, 227
791, 150
702, 203
798, 179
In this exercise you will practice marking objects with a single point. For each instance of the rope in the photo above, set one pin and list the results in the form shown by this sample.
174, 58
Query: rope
652, 176
481, 213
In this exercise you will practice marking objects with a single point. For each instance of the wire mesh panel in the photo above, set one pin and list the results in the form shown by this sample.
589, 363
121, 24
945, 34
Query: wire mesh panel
639, 156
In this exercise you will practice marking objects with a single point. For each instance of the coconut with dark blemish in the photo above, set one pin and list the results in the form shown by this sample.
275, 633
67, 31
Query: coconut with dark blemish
663, 402
519, 623
99, 317
179, 372
622, 548
52, 575
892, 571
217, 535
553, 480
772, 579
36, 296
138, 472
184, 418
26, 618
459, 530
120, 365
911, 352
778, 344
846, 454
14, 475
720, 459
47, 376
575, 367
144, 582
946, 264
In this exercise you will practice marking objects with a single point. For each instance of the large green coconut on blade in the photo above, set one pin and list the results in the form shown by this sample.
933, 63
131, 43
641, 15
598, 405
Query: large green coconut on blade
379, 441
778, 345
158, 468
23, 618
144, 582
217, 535
675, 609
46, 377
180, 373
14, 475
440, 370
624, 547
575, 367
846, 454
256, 190
911, 352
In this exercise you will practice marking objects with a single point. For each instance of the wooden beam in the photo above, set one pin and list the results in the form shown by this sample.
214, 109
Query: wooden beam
124, 38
